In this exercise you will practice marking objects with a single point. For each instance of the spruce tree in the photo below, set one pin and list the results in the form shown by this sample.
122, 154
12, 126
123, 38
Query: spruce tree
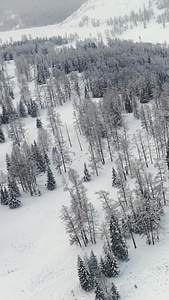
87, 176
2, 137
14, 193
99, 294
4, 196
38, 158
118, 245
102, 266
38, 123
167, 154
85, 277
93, 265
114, 178
22, 110
51, 183
34, 109
47, 160
5, 115
110, 266
13, 188
114, 294
128, 105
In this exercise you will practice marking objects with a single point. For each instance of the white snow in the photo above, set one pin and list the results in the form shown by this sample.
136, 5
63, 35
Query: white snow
36, 260
99, 10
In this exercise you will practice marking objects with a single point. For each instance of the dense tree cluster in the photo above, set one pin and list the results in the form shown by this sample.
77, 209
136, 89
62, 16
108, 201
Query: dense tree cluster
92, 275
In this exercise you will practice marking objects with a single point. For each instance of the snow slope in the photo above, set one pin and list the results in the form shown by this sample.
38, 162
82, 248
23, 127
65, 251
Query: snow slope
36, 260
104, 9
99, 10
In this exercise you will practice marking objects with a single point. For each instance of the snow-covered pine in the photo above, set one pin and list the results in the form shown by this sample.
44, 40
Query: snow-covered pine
110, 268
114, 177
38, 123
113, 293
118, 245
33, 109
85, 278
38, 158
2, 136
14, 194
93, 265
87, 176
4, 196
51, 183
22, 112
99, 293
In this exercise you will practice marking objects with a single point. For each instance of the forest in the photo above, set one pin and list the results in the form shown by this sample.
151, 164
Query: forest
106, 84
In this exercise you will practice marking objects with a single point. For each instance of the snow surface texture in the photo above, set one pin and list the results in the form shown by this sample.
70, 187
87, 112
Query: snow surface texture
99, 10
36, 261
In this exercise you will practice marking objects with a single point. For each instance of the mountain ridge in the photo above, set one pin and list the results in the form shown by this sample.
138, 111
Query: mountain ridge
107, 19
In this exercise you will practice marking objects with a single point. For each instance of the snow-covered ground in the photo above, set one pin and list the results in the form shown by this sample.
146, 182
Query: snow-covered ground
99, 10
36, 260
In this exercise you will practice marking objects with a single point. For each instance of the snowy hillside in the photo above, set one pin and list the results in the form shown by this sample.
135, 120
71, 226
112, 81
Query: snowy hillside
104, 9
84, 136
109, 18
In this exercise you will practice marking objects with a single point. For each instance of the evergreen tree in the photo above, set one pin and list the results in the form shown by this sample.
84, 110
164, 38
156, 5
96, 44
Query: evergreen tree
4, 196
38, 123
22, 110
128, 105
87, 176
13, 188
28, 108
93, 265
85, 277
99, 294
118, 245
110, 266
2, 137
114, 178
102, 266
114, 295
5, 115
167, 154
34, 109
14, 202
38, 158
47, 160
51, 183
14, 194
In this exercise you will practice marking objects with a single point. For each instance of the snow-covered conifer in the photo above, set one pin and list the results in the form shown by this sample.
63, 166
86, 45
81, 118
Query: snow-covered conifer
114, 294
2, 137
38, 123
118, 245
110, 266
4, 196
99, 293
93, 265
85, 277
14, 194
51, 183
87, 176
